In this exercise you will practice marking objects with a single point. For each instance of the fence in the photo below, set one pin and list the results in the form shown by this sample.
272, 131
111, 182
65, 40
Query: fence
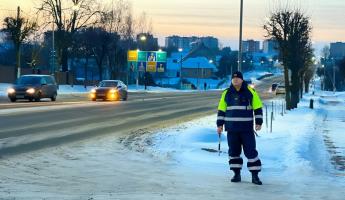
271, 110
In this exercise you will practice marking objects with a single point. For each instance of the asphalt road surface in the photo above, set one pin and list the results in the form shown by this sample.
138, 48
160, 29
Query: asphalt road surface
27, 126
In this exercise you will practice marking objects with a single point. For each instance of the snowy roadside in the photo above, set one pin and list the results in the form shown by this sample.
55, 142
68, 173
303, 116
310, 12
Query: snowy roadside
3, 88
170, 164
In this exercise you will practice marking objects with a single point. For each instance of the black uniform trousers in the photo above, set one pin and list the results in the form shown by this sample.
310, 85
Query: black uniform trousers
245, 139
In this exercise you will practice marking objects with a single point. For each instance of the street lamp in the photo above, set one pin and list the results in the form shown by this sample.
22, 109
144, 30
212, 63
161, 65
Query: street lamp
240, 40
142, 38
180, 50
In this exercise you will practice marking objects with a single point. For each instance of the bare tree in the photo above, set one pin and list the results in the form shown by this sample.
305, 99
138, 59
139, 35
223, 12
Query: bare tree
291, 29
19, 29
68, 16
144, 25
117, 18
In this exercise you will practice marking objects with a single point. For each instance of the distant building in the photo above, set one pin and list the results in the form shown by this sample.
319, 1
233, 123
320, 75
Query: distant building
251, 46
210, 42
197, 66
270, 47
190, 42
337, 50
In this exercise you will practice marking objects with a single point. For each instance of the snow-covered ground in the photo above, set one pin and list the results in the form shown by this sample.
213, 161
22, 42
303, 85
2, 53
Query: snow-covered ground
3, 88
302, 159
170, 163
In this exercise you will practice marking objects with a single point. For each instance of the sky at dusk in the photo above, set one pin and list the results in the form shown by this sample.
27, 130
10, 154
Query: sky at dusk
220, 18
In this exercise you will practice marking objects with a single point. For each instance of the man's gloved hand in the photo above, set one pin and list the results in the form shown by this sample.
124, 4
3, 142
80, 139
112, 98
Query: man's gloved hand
219, 129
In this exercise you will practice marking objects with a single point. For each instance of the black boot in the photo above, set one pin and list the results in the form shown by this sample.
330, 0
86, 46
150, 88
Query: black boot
256, 179
237, 176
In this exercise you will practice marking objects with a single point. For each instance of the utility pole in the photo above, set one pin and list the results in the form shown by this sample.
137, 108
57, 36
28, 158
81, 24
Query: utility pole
181, 53
18, 53
198, 76
334, 76
240, 40
53, 36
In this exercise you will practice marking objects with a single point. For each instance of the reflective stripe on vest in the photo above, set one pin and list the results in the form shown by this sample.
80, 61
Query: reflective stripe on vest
220, 118
239, 108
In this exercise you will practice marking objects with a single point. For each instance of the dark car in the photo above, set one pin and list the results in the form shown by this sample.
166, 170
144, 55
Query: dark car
33, 87
110, 90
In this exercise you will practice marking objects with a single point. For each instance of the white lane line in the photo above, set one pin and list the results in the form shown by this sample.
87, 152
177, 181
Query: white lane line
48, 108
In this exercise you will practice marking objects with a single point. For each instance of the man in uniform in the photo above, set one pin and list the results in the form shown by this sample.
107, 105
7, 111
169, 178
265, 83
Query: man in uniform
238, 108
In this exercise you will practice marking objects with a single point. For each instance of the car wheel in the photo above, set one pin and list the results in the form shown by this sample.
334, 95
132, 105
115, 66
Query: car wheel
53, 98
13, 99
31, 99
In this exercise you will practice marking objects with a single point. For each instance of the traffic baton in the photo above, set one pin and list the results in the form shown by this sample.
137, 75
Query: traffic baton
219, 139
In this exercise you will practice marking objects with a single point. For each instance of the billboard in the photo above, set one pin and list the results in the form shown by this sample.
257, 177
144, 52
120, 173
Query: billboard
149, 61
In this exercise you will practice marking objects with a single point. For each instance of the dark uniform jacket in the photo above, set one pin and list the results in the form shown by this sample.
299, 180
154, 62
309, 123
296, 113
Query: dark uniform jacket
238, 109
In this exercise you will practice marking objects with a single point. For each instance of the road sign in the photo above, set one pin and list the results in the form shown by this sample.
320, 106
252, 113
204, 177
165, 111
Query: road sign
132, 56
151, 57
161, 56
148, 61
142, 56
161, 66
132, 66
151, 67
141, 66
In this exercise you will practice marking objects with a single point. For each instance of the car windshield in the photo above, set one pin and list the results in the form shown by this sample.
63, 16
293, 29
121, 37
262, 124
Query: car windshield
29, 80
108, 84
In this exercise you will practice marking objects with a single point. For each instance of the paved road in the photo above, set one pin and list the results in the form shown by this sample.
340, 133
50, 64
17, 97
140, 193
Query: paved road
27, 126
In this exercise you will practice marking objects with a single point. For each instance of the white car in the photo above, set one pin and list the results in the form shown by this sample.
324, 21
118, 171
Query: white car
280, 89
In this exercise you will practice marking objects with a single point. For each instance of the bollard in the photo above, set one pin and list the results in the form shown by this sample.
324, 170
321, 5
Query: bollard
266, 116
311, 104
271, 121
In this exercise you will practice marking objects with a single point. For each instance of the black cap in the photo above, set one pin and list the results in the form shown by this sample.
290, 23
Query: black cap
237, 75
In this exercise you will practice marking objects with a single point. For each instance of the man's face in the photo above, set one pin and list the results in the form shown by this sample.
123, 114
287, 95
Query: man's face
237, 82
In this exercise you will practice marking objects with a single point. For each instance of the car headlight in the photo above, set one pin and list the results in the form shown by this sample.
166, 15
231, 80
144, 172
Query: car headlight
30, 91
11, 91
113, 91
93, 91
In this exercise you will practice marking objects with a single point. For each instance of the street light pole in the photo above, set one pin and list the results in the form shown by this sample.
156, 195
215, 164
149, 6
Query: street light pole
181, 58
197, 83
333, 75
240, 40
142, 39
53, 57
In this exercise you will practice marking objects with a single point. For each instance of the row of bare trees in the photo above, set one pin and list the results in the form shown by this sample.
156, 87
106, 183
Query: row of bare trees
110, 25
291, 28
